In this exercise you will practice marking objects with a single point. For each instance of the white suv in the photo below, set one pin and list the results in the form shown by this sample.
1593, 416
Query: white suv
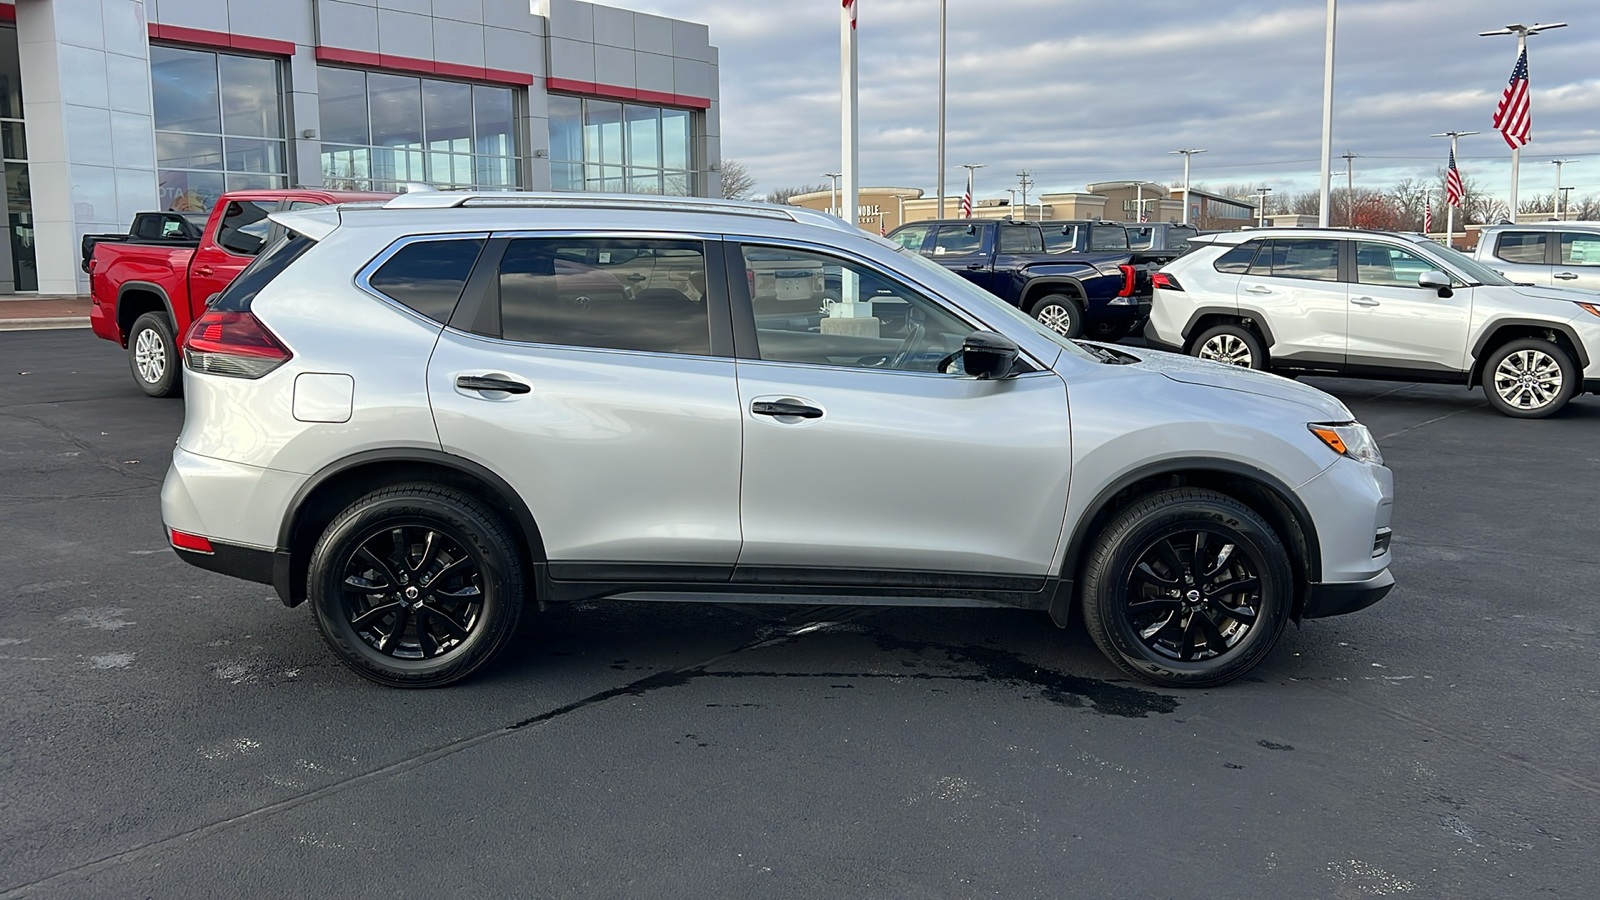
1377, 305
424, 415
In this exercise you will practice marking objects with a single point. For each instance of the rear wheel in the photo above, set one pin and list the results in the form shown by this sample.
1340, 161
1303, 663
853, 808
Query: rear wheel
1529, 378
153, 356
1232, 345
1187, 588
416, 585
1059, 313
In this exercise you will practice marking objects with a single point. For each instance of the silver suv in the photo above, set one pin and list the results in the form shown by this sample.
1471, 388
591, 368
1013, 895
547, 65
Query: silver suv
422, 415
1377, 305
1559, 254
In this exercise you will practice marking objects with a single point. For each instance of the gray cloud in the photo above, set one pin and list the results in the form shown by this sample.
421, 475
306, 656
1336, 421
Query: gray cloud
1079, 91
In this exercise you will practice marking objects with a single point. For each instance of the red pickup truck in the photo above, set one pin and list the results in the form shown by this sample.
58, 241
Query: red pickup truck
150, 284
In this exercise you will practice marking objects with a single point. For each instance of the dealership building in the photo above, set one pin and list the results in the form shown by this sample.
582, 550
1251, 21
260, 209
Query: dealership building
112, 107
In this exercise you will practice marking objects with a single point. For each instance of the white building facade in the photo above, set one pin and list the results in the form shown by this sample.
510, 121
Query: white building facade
112, 107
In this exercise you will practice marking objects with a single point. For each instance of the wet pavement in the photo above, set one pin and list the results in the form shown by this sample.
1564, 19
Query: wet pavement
167, 732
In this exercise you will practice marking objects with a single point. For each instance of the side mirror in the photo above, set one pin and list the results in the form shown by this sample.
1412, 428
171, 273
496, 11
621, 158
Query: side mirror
972, 229
988, 356
1436, 280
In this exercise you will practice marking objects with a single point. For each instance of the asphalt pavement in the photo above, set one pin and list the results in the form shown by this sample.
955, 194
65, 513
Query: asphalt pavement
167, 732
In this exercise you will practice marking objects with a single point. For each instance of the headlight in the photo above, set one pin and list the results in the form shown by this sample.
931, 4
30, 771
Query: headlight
1350, 439
1590, 308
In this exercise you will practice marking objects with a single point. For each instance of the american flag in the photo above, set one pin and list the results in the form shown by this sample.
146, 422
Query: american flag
966, 204
1427, 219
1512, 117
1453, 191
851, 5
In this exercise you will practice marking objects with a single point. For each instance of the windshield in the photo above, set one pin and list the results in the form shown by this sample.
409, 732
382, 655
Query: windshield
952, 285
1477, 272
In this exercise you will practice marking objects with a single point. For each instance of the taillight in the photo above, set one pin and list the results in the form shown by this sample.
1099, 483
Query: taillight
234, 344
1129, 273
1165, 282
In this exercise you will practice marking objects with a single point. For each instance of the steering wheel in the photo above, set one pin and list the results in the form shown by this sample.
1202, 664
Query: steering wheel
914, 333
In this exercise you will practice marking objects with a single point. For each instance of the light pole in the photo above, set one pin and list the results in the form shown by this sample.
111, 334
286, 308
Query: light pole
1566, 201
941, 111
970, 167
834, 202
1188, 152
1327, 120
1349, 188
1561, 209
1449, 208
1013, 205
1261, 211
1522, 32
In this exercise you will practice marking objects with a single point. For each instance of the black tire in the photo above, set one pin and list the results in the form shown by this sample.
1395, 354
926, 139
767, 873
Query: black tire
458, 593
1059, 313
1217, 636
1530, 378
153, 356
1233, 345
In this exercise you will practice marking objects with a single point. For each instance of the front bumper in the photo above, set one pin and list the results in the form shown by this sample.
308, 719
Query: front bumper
1338, 598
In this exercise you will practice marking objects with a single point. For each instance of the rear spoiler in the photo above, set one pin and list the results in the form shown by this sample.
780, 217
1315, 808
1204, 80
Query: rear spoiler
316, 223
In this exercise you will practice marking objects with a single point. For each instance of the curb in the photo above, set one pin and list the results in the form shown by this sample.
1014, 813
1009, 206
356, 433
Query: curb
44, 324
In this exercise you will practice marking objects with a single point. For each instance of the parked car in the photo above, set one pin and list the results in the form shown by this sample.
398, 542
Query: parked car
1378, 305
1558, 254
150, 284
1076, 293
412, 418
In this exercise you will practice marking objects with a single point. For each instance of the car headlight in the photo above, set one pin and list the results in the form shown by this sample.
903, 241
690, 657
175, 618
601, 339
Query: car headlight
1350, 439
1590, 308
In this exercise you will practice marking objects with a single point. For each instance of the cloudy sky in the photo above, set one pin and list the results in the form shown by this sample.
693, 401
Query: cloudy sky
1078, 91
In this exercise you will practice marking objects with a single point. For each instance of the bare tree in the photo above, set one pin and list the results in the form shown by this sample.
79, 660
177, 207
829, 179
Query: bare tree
737, 182
781, 195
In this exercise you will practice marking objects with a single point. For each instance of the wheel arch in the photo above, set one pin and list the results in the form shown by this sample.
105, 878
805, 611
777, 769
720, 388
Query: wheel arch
1504, 331
338, 484
135, 298
1209, 316
1054, 284
1263, 492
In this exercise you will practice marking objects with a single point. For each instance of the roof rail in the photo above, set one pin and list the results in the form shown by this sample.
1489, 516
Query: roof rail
525, 200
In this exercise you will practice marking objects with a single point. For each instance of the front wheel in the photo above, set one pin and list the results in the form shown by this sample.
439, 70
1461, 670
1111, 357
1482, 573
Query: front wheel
1187, 588
416, 585
1529, 379
1060, 314
153, 356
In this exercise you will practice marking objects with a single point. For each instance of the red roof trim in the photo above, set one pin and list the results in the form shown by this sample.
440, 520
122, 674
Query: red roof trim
220, 39
8, 13
413, 66
617, 92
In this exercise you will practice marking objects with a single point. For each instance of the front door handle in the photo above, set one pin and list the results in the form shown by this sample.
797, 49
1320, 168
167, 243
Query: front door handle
491, 383
1259, 289
974, 267
205, 270
1363, 301
785, 408
636, 277
1566, 276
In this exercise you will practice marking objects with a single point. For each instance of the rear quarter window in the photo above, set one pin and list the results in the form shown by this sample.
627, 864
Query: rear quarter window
427, 276
1237, 261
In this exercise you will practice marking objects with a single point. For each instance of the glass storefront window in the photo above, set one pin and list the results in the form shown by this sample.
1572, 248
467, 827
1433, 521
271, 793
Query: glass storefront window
18, 194
219, 125
603, 145
380, 131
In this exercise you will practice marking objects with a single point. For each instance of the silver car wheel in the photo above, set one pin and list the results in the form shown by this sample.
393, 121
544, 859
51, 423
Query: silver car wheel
1228, 349
1057, 318
1528, 379
150, 355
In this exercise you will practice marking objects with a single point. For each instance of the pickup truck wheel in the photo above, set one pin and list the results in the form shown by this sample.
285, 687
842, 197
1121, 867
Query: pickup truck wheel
153, 356
1059, 313
416, 585
1529, 378
1233, 345
1187, 588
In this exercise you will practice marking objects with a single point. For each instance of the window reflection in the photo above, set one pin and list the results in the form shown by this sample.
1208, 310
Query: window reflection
603, 145
219, 124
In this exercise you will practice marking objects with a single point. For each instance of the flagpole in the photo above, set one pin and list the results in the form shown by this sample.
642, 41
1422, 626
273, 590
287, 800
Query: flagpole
1327, 122
941, 114
1516, 152
1522, 32
850, 208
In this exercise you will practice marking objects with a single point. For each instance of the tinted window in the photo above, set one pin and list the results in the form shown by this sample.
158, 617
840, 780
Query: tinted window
1521, 247
1140, 237
1383, 264
244, 227
615, 294
428, 276
1579, 249
236, 297
1108, 237
1307, 259
1063, 239
1020, 239
911, 236
795, 323
957, 239
1237, 261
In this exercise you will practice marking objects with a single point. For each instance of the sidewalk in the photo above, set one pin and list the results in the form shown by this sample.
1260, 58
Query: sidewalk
24, 312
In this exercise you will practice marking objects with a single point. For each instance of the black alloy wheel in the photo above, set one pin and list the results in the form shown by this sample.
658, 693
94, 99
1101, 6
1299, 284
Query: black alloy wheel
416, 585
1187, 588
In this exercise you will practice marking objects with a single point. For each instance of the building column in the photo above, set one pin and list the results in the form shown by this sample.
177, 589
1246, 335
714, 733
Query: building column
91, 128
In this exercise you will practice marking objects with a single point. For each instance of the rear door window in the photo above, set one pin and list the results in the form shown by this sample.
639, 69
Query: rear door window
1526, 247
427, 276
957, 240
1108, 237
1306, 259
245, 228
1020, 239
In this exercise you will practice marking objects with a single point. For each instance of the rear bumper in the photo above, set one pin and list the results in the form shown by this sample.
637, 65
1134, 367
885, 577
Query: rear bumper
235, 560
1338, 598
1153, 340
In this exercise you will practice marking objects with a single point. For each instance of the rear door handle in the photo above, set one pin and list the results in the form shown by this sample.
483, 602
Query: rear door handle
974, 267
205, 270
1259, 289
1566, 276
785, 408
636, 277
1364, 301
491, 383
